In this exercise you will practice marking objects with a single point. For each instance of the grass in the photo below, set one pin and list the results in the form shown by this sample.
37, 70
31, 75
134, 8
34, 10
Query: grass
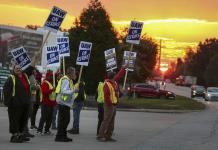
180, 103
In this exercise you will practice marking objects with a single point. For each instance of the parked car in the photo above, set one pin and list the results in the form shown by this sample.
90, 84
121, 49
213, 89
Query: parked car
147, 90
197, 91
211, 94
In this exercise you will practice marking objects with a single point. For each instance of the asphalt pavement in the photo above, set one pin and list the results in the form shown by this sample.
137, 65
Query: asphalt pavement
133, 131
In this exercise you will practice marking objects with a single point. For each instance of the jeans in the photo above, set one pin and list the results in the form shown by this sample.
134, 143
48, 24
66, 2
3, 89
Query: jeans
77, 107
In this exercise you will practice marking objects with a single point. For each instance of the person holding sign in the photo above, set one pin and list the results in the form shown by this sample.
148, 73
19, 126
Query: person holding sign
48, 104
99, 97
79, 97
17, 97
111, 99
65, 97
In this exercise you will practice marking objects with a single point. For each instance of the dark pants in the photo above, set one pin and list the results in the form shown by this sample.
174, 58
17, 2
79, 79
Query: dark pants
77, 107
63, 121
46, 118
29, 113
100, 115
34, 112
54, 115
107, 126
18, 117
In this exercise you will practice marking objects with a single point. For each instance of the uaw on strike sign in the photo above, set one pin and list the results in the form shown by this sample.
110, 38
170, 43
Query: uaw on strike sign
21, 57
84, 53
52, 55
129, 59
55, 19
110, 57
63, 46
134, 33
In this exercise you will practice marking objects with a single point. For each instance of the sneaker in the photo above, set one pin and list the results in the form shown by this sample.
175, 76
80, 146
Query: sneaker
24, 139
39, 133
69, 139
63, 139
101, 139
73, 131
110, 140
33, 127
28, 135
48, 133
16, 139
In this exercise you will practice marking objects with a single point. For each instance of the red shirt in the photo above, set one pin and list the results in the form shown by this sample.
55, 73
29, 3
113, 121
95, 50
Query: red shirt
45, 95
117, 77
24, 82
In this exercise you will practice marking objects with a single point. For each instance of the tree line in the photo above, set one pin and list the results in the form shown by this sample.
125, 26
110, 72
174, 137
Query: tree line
201, 62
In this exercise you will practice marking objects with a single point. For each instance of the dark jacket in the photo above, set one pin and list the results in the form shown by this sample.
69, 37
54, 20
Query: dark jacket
81, 93
22, 97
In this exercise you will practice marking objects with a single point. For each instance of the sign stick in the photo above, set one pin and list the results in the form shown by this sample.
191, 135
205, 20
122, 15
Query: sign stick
124, 84
80, 73
53, 79
63, 65
46, 38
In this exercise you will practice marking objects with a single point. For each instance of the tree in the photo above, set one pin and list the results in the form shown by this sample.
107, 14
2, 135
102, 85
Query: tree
199, 61
179, 67
211, 72
94, 26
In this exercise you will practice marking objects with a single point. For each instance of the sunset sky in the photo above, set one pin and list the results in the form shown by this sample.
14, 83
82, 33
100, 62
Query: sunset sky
180, 24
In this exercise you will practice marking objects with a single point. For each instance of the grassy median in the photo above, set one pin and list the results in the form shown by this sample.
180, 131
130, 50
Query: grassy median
180, 103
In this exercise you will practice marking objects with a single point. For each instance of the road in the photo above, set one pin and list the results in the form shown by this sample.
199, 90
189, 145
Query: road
134, 131
179, 90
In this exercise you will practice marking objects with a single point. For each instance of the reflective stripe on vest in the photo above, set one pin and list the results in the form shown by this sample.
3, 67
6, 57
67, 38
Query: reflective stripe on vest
100, 98
76, 86
113, 97
64, 97
14, 83
52, 96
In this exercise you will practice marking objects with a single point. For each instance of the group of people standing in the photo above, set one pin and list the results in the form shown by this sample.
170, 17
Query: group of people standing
25, 91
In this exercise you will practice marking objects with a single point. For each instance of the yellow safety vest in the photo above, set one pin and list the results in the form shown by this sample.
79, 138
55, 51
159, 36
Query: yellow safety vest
52, 96
14, 83
76, 86
113, 97
64, 97
100, 98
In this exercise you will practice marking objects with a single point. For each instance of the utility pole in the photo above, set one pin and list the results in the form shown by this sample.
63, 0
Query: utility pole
159, 54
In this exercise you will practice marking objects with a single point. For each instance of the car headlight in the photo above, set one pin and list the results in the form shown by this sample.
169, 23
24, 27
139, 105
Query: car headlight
169, 93
209, 95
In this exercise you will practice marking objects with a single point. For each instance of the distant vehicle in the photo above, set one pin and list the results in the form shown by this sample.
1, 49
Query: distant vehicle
197, 91
146, 90
186, 80
211, 94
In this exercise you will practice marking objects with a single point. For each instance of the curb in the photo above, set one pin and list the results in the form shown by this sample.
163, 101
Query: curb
150, 110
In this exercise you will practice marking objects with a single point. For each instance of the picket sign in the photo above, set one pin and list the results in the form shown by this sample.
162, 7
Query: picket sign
83, 56
21, 57
110, 58
133, 37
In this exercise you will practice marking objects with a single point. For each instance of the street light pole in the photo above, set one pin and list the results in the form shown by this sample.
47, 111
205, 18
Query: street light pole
160, 54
